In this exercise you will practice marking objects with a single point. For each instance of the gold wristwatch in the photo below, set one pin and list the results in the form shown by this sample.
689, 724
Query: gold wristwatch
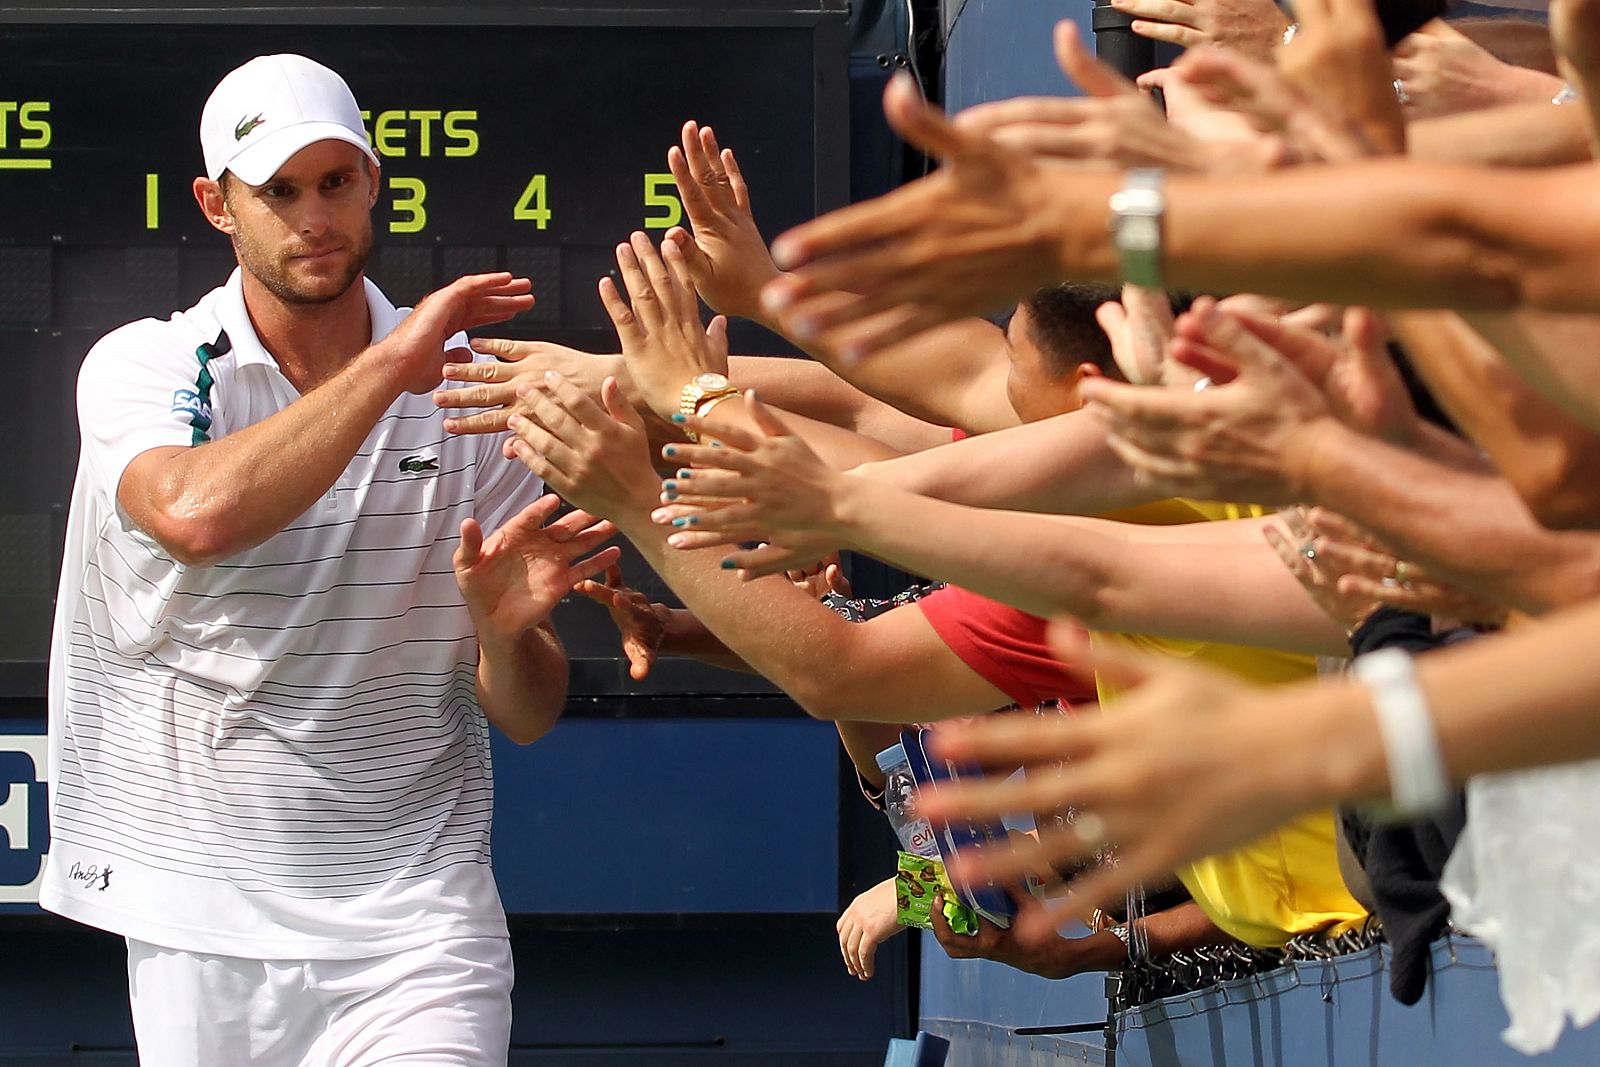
702, 391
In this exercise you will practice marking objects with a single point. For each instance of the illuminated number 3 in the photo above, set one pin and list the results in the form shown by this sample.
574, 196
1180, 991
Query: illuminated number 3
410, 205
658, 193
531, 207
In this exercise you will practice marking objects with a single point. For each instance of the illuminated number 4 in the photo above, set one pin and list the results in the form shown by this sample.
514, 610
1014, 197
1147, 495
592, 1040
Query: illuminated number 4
532, 207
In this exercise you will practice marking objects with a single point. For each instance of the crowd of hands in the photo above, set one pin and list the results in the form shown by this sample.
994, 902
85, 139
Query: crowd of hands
1296, 406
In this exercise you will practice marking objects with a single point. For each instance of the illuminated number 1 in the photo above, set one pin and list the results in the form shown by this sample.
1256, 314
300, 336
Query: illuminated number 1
532, 208
655, 197
152, 204
416, 215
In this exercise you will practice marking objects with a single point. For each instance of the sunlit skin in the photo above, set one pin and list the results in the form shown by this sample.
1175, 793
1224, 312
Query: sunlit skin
1036, 392
303, 239
305, 235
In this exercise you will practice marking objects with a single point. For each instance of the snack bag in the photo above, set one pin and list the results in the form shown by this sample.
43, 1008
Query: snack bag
917, 880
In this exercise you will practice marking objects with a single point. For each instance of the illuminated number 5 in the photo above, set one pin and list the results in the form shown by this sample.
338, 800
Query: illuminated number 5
531, 208
411, 205
655, 197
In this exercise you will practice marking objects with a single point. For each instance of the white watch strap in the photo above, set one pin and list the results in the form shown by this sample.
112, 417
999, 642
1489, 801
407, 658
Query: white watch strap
1418, 784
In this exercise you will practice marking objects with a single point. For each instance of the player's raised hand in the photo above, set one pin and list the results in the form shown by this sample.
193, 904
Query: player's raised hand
492, 387
417, 344
513, 579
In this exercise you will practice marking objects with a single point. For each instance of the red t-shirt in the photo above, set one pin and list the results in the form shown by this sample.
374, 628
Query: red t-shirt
1005, 646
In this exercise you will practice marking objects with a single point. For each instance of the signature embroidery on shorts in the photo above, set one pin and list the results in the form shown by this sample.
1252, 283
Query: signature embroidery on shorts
91, 874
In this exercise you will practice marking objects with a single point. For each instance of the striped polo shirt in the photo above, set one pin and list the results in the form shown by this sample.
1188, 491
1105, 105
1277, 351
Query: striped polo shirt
280, 755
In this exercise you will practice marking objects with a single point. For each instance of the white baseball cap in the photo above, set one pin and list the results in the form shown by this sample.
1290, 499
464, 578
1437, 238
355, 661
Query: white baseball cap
262, 113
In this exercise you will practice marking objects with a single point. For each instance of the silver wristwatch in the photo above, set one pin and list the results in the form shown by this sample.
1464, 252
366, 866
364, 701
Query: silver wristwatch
1136, 212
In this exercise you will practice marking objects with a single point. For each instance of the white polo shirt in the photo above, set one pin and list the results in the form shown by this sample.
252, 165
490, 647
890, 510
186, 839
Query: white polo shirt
279, 756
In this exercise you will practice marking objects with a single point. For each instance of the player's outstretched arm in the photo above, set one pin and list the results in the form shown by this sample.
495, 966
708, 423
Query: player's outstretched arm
206, 503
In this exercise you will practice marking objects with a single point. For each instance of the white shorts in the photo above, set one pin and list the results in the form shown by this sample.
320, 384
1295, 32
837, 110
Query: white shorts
443, 1005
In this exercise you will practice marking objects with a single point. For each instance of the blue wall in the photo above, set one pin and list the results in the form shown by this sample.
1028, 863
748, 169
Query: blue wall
1318, 1014
1001, 48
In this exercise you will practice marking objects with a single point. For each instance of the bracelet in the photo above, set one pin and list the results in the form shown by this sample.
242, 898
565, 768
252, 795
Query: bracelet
705, 407
1136, 220
1418, 784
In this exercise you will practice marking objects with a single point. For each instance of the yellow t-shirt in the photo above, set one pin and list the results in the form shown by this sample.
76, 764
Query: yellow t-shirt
1286, 882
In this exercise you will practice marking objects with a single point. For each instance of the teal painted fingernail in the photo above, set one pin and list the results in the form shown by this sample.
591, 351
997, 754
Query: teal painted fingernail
670, 451
683, 474
694, 520
670, 494
728, 564
680, 522
670, 487
679, 417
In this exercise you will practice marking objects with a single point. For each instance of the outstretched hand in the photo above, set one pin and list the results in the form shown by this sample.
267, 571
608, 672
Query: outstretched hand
641, 624
1139, 327
869, 921
1445, 72
1307, 130
1367, 568
1237, 441
493, 386
663, 343
596, 457
967, 240
1339, 59
767, 486
1114, 125
474, 300
512, 580
1320, 570
1251, 27
726, 257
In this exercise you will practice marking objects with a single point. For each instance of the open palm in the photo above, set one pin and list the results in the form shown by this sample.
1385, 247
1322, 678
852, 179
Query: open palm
513, 580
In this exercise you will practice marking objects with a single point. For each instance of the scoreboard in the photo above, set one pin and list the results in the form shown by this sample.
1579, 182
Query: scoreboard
528, 137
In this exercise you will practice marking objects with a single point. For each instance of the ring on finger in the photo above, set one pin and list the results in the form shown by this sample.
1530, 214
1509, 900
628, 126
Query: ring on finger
1308, 549
1090, 829
1401, 571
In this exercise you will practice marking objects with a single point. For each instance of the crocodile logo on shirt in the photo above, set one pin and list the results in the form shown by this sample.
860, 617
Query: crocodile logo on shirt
241, 131
419, 463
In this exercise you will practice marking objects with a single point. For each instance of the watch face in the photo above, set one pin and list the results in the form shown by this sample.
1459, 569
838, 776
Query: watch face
711, 381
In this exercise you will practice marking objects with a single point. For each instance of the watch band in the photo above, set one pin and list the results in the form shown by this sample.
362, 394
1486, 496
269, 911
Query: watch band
693, 398
1136, 217
1418, 783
